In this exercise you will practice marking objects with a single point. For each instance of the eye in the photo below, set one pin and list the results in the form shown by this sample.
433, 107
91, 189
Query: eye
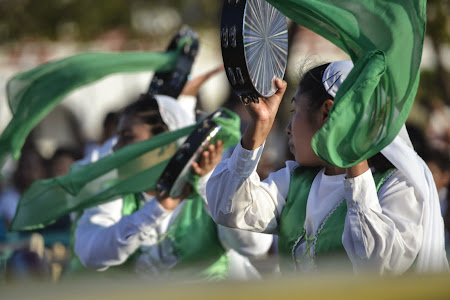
292, 111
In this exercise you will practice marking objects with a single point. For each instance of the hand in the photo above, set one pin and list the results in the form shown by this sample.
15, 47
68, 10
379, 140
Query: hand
209, 159
193, 85
170, 203
267, 108
262, 117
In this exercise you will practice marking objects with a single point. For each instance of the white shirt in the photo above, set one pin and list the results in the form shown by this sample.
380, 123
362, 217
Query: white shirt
383, 231
104, 238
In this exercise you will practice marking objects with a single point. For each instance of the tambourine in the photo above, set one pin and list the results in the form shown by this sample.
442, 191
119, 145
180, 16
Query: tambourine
175, 176
254, 42
172, 83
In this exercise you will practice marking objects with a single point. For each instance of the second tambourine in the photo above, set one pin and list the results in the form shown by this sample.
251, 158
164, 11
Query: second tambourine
254, 42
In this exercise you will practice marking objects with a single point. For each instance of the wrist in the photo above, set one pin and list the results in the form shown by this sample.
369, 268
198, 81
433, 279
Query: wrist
357, 169
169, 203
256, 134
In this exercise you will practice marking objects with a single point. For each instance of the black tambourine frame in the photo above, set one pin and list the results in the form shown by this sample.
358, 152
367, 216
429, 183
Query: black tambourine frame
254, 42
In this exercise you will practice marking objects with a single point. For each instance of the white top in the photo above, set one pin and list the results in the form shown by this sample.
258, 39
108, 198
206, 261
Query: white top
105, 238
383, 232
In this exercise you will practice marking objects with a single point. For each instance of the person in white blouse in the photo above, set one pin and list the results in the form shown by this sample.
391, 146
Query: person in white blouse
379, 216
158, 236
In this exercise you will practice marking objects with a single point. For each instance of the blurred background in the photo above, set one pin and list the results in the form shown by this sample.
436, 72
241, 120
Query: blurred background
33, 32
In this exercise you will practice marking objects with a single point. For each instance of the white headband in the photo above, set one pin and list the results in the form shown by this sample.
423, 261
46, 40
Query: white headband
335, 75
173, 113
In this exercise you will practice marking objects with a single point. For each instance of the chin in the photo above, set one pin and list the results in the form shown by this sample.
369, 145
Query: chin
306, 162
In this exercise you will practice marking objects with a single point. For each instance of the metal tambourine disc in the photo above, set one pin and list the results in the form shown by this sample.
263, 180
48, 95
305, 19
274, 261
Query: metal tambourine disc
254, 41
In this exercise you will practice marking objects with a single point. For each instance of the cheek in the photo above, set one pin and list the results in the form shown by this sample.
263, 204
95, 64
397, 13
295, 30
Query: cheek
302, 134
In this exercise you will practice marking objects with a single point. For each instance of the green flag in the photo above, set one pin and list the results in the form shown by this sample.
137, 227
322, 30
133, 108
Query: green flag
132, 169
33, 94
384, 39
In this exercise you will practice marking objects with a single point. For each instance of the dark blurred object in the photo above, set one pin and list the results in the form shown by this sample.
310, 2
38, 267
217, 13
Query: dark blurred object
30, 167
172, 83
62, 160
109, 126
29, 262
418, 140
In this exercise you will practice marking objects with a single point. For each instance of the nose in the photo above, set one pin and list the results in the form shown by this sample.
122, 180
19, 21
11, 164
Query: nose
288, 129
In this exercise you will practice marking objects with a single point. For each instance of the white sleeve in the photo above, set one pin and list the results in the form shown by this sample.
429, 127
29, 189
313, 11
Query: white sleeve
104, 238
246, 243
383, 232
237, 198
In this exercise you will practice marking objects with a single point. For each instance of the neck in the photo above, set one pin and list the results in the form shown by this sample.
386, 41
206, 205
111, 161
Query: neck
332, 170
150, 193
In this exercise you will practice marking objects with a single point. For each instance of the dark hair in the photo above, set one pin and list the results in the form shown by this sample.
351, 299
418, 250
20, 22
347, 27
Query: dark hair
111, 119
311, 84
146, 110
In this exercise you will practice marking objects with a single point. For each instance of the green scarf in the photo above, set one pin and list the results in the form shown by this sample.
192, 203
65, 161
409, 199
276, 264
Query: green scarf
384, 39
86, 186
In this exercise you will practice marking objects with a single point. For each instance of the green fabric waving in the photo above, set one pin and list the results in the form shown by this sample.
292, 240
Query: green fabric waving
103, 181
33, 94
384, 39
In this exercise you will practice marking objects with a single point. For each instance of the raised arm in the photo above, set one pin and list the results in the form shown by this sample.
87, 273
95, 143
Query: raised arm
235, 193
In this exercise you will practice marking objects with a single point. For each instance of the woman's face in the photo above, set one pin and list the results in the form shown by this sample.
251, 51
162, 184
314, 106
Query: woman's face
130, 130
301, 129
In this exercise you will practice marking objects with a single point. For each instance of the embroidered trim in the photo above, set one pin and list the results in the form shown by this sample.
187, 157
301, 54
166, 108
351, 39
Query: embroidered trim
294, 168
311, 246
322, 226
383, 180
295, 246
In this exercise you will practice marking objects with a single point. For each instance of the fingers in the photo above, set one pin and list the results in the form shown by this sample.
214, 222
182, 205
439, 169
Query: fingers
281, 86
196, 168
209, 159
205, 161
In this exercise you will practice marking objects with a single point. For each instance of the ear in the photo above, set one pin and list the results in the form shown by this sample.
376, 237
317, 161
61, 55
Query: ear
325, 110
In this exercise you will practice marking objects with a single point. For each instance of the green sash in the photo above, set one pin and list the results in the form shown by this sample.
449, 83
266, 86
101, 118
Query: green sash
328, 240
194, 237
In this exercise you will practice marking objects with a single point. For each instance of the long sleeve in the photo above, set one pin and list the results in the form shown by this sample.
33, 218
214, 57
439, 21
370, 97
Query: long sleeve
382, 232
104, 238
246, 243
237, 198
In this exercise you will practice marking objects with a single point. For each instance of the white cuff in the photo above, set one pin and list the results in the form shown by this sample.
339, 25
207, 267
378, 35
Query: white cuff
361, 193
151, 215
244, 162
